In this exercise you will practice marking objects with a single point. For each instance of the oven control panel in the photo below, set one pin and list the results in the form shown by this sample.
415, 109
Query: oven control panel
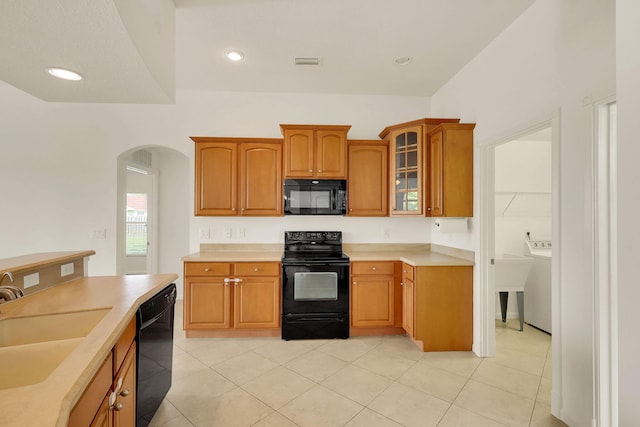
313, 236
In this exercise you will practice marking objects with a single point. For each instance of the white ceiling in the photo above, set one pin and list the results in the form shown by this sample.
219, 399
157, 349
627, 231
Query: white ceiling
126, 50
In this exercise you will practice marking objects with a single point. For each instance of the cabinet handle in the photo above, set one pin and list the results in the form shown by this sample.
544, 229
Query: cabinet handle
226, 281
125, 392
118, 406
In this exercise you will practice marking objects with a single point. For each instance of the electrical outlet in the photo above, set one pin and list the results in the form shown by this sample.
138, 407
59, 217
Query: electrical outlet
99, 233
31, 280
227, 232
385, 232
242, 232
205, 233
66, 269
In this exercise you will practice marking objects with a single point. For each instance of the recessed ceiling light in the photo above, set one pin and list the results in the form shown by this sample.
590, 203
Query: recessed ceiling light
403, 60
61, 73
234, 55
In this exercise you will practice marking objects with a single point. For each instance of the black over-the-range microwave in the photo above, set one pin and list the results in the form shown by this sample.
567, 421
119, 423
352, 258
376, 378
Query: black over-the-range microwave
315, 197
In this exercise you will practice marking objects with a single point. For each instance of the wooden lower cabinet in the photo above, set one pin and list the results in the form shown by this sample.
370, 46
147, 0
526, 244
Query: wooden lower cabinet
408, 314
375, 298
229, 297
110, 398
442, 308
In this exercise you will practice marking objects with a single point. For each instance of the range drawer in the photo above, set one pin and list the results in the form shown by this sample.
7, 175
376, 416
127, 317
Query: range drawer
257, 269
207, 269
372, 267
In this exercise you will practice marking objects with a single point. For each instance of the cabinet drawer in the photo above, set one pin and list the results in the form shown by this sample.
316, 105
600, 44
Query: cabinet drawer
122, 346
207, 269
257, 269
372, 267
408, 271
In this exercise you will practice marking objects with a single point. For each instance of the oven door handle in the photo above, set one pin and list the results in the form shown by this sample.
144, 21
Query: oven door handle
316, 319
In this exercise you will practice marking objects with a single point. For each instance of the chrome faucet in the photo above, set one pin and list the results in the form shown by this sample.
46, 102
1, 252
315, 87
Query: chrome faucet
6, 274
7, 292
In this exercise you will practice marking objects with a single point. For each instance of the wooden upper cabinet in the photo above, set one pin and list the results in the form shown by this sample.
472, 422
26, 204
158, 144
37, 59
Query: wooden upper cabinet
238, 176
216, 178
315, 151
260, 179
368, 182
407, 165
450, 166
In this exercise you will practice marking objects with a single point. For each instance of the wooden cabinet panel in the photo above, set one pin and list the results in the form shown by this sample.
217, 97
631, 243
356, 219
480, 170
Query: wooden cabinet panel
216, 178
372, 301
408, 314
331, 154
104, 417
443, 303
243, 269
260, 179
372, 268
372, 294
84, 411
123, 344
300, 153
238, 176
207, 268
450, 160
315, 151
125, 388
208, 303
368, 178
257, 303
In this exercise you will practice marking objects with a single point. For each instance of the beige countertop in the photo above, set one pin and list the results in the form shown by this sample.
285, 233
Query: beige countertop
49, 402
414, 254
39, 260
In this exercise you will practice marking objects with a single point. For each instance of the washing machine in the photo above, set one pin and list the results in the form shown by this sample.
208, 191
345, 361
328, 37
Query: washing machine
537, 289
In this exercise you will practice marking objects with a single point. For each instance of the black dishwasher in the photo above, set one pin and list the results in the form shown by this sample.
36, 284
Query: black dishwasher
155, 353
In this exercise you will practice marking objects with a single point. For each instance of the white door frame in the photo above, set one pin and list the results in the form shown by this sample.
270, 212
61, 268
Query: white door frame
487, 347
605, 331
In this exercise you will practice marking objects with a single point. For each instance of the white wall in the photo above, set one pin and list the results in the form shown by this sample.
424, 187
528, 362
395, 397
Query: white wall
628, 98
59, 165
557, 55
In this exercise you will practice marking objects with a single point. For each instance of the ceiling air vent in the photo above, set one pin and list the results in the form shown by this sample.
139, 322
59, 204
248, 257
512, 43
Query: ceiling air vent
307, 61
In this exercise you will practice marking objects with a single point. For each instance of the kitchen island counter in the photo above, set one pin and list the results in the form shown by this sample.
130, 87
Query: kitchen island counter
48, 403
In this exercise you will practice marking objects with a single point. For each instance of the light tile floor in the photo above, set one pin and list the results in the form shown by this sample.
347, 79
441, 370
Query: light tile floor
361, 381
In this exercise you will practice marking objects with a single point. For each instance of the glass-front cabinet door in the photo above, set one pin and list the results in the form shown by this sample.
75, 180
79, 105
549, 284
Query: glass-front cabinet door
406, 171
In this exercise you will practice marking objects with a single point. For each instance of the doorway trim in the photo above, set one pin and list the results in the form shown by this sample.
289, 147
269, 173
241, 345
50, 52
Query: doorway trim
487, 246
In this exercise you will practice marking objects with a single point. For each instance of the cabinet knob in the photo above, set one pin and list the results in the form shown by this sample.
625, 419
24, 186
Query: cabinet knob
404, 271
428, 209
206, 269
233, 209
373, 268
256, 269
350, 210
319, 170
125, 392
355, 283
401, 283
118, 406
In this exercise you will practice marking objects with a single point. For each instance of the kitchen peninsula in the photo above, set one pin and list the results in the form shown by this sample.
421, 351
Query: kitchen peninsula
45, 393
